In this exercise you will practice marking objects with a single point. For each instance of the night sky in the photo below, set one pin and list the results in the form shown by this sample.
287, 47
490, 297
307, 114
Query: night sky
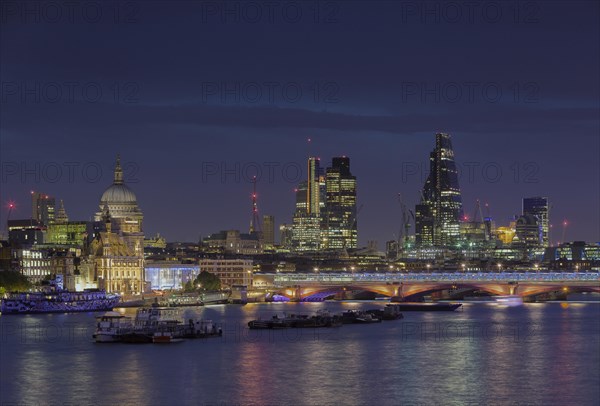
181, 89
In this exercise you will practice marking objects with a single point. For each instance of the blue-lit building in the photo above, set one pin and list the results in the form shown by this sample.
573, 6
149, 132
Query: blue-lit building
165, 275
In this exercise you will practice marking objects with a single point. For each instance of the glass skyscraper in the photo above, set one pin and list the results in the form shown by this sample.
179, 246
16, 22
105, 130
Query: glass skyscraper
539, 208
340, 219
310, 202
438, 215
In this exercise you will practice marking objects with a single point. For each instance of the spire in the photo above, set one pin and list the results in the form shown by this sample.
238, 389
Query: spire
118, 172
61, 215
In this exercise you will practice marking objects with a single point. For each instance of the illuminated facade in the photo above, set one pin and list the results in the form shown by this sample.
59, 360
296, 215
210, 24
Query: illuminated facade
230, 271
157, 241
437, 219
233, 242
65, 232
35, 264
116, 251
170, 276
340, 218
539, 208
307, 233
69, 233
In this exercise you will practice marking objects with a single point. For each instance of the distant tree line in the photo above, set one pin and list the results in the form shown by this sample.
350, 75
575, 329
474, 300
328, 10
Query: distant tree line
205, 281
11, 281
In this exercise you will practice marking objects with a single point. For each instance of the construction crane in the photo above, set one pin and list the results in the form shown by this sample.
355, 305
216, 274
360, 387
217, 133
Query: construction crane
355, 216
405, 226
477, 212
11, 206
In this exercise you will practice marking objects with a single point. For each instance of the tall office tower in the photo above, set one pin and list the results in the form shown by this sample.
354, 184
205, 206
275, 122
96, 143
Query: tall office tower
307, 222
539, 208
340, 223
43, 207
268, 229
313, 193
440, 209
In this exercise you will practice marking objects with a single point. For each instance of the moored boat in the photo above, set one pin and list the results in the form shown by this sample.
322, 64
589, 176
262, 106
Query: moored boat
165, 337
110, 326
426, 307
90, 300
367, 318
320, 320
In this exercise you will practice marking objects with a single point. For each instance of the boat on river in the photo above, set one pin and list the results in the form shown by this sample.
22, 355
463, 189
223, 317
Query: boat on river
110, 327
62, 301
426, 307
320, 320
154, 325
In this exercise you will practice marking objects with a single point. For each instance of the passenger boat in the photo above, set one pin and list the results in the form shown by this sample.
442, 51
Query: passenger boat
90, 300
154, 325
110, 327
510, 300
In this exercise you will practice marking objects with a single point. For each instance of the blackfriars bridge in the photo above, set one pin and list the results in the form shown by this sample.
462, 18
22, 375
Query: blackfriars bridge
300, 286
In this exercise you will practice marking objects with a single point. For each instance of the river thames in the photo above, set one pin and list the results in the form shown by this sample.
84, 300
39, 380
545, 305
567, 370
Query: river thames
485, 354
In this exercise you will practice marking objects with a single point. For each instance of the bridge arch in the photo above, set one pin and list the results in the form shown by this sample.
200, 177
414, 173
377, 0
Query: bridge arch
300, 293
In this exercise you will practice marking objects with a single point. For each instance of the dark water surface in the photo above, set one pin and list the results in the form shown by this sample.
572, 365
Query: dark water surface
536, 354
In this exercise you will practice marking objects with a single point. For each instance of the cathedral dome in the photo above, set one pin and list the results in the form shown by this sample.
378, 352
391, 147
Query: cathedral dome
118, 199
118, 194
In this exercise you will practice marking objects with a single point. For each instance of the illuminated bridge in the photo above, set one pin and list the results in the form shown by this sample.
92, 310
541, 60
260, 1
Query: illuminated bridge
413, 285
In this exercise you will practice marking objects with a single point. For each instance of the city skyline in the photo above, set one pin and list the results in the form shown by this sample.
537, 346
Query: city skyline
238, 179
167, 110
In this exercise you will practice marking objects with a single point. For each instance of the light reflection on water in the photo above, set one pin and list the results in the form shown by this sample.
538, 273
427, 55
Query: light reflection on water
539, 354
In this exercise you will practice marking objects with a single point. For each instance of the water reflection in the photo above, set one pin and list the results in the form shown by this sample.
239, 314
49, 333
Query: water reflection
537, 353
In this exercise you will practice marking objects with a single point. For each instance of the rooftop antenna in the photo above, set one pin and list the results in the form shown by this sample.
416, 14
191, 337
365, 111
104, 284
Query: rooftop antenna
11, 206
255, 227
564, 224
